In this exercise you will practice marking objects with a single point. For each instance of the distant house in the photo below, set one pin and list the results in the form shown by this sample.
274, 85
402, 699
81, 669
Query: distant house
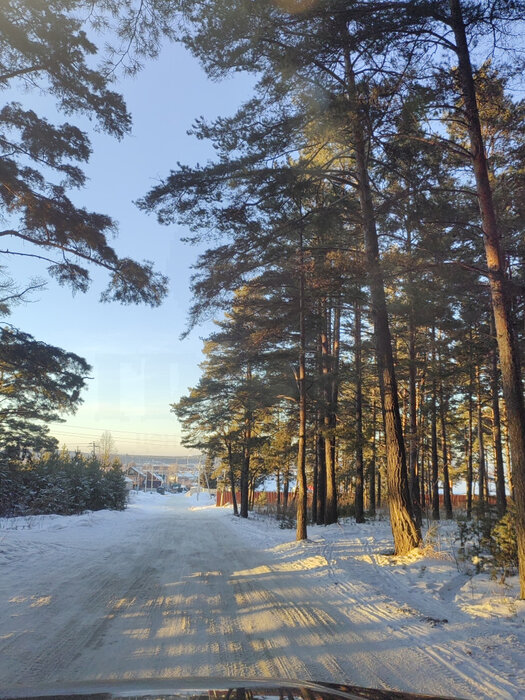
186, 479
153, 481
143, 479
137, 476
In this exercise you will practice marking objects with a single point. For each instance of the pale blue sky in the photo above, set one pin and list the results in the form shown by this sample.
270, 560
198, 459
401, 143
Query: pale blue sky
139, 364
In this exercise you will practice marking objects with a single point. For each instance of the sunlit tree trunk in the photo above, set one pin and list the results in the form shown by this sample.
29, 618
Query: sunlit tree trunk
481, 445
508, 460
286, 486
232, 479
433, 434
330, 358
359, 482
245, 467
406, 533
321, 483
422, 452
447, 499
413, 435
372, 467
470, 438
301, 505
501, 498
501, 304
320, 448
315, 475
443, 406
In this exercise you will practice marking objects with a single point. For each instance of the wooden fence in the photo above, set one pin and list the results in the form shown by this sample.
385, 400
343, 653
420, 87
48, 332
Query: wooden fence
459, 500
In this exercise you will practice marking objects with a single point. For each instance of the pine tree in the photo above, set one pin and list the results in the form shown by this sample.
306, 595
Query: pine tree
44, 46
38, 384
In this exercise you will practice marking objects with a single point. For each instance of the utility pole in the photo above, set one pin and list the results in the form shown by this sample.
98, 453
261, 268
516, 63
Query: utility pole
199, 479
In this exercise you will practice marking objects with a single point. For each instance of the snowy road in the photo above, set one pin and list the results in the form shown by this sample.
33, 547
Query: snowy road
164, 591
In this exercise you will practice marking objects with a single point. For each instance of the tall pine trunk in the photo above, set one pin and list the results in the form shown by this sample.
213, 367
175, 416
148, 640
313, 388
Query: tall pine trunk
405, 531
359, 484
443, 408
330, 361
433, 434
413, 434
481, 446
320, 448
247, 448
447, 498
470, 438
315, 477
501, 303
301, 513
501, 498
372, 467
232, 479
321, 481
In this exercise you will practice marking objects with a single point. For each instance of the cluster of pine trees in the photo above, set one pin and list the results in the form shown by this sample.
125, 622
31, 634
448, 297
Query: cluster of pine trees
47, 49
361, 229
60, 483
363, 223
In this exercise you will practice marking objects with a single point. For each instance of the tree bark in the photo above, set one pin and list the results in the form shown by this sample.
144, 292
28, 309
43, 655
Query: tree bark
286, 487
443, 406
245, 467
508, 459
330, 358
422, 452
501, 303
320, 448
481, 446
245, 470
359, 484
470, 437
433, 434
405, 531
501, 498
372, 467
321, 484
413, 435
372, 477
232, 480
301, 505
315, 475
447, 499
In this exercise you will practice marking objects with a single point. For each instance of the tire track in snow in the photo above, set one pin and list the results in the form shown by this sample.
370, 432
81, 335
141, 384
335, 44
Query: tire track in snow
465, 675
183, 594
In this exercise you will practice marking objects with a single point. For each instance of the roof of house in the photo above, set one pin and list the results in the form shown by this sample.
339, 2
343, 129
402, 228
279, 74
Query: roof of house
136, 470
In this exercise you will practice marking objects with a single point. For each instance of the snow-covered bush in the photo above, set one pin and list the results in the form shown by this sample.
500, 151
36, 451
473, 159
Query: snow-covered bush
504, 542
60, 483
114, 487
487, 543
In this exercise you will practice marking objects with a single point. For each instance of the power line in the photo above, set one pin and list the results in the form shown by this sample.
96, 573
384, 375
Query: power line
129, 432
141, 439
142, 436
157, 443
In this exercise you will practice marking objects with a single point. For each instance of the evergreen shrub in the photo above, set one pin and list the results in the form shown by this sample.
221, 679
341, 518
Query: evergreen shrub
488, 543
59, 483
504, 543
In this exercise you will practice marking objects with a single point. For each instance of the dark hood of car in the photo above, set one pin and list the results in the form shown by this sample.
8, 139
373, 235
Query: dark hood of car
210, 689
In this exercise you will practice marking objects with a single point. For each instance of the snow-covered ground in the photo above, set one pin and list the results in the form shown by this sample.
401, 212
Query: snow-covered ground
176, 588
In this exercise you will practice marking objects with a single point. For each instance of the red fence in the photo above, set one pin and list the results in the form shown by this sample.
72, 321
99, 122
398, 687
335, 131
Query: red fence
459, 500
260, 497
